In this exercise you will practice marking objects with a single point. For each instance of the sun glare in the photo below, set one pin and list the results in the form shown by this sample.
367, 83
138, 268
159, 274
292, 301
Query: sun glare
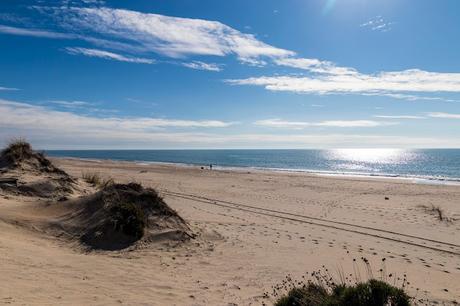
379, 156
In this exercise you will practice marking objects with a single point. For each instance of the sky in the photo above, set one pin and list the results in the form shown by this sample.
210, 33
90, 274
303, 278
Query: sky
207, 74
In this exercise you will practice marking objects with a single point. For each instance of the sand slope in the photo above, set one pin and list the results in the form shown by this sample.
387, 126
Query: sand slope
253, 228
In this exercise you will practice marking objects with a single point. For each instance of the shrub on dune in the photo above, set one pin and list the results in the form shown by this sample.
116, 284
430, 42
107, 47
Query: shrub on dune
17, 151
320, 288
128, 219
371, 293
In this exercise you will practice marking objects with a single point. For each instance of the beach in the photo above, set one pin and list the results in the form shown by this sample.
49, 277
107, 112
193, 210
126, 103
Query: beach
253, 228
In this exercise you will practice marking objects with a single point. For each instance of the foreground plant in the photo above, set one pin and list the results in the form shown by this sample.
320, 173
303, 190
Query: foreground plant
320, 288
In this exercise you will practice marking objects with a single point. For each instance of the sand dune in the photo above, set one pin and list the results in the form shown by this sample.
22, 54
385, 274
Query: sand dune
252, 229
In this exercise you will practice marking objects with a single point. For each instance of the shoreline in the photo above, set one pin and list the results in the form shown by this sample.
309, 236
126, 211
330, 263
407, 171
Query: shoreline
423, 180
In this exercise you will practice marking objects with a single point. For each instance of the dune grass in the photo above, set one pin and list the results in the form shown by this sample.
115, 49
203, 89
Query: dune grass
370, 293
97, 180
18, 149
437, 211
321, 288
129, 219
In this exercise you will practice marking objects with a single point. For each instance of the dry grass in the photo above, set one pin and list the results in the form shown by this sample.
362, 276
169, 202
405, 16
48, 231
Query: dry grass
438, 212
118, 215
17, 150
97, 180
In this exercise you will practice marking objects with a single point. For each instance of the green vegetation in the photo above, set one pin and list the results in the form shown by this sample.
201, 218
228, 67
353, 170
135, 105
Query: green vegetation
371, 293
320, 288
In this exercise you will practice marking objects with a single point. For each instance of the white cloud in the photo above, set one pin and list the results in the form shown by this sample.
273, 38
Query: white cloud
108, 55
50, 129
444, 115
8, 89
72, 104
202, 66
399, 117
278, 123
412, 97
82, 2
34, 33
378, 23
413, 80
22, 115
315, 65
355, 123
143, 33
170, 36
132, 31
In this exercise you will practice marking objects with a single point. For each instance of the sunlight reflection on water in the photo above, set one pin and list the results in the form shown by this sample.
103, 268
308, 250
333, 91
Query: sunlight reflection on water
364, 159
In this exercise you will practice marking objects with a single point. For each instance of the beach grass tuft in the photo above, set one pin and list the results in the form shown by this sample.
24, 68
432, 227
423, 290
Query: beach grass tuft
97, 180
321, 288
18, 149
437, 211
128, 219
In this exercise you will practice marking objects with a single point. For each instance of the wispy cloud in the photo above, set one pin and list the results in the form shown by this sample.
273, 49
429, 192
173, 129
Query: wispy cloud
278, 123
383, 83
378, 23
412, 97
399, 117
355, 123
20, 115
9, 17
107, 55
202, 66
49, 129
70, 104
8, 89
170, 36
444, 115
132, 32
315, 66
35, 33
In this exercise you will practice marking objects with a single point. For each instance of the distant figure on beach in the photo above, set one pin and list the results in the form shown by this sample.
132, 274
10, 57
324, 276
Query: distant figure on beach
210, 166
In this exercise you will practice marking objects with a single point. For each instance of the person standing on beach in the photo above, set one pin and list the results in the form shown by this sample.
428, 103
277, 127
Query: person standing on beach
210, 166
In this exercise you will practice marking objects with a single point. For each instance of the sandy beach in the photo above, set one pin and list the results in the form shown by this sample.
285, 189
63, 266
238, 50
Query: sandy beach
253, 228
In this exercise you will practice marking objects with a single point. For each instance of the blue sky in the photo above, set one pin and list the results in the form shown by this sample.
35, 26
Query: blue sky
230, 74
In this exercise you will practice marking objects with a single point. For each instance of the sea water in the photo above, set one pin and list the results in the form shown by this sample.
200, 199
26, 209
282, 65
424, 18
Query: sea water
427, 164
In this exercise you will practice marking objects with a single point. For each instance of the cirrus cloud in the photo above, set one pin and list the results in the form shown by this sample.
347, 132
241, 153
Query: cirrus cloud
50, 129
197, 65
444, 115
20, 115
139, 33
8, 89
413, 80
278, 123
398, 117
171, 36
108, 55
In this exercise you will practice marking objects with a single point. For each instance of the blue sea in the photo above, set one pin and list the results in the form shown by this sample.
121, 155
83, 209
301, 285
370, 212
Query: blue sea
437, 165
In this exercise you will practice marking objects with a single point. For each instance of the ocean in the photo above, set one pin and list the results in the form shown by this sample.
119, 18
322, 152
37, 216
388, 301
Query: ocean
440, 165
